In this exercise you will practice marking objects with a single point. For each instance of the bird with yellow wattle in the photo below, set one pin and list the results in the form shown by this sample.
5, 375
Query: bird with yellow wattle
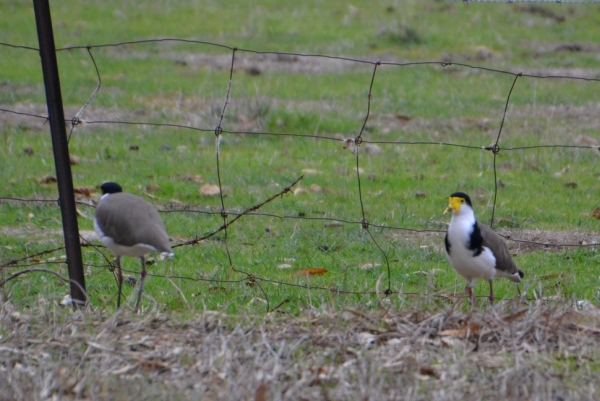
474, 249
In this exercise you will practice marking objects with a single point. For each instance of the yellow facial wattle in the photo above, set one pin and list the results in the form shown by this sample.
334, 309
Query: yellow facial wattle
454, 203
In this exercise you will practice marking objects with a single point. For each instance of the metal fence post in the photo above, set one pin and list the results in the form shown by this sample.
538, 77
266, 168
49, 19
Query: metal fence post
61, 149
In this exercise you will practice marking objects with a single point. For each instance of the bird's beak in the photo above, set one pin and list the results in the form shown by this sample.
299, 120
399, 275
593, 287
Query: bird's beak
453, 204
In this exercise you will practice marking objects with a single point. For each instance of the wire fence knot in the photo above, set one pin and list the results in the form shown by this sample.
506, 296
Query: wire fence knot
250, 280
495, 148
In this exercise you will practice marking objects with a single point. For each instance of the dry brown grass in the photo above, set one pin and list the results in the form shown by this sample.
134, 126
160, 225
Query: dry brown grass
509, 352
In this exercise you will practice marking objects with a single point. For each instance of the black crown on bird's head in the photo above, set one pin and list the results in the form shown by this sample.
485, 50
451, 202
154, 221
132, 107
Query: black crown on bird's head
463, 196
110, 188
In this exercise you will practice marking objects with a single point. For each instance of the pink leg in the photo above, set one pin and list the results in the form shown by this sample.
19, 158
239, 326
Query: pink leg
491, 297
119, 281
142, 278
471, 296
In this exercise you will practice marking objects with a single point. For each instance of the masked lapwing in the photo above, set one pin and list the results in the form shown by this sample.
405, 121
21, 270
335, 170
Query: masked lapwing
474, 249
129, 226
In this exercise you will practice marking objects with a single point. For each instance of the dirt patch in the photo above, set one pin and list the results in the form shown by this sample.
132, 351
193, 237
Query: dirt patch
523, 241
247, 115
518, 351
549, 48
259, 63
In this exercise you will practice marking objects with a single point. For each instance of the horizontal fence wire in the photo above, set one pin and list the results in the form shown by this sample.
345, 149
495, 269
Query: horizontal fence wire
230, 217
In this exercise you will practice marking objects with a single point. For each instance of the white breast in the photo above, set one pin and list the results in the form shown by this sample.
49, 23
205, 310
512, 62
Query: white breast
462, 259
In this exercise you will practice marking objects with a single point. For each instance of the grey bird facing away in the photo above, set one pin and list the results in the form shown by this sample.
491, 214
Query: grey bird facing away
474, 249
129, 226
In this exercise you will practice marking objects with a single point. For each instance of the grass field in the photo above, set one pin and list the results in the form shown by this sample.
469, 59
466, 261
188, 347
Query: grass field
288, 116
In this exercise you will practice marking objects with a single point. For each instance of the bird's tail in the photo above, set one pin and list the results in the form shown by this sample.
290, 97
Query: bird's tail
516, 276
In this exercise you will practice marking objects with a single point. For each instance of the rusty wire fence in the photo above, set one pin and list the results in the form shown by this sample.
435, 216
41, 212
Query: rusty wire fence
236, 62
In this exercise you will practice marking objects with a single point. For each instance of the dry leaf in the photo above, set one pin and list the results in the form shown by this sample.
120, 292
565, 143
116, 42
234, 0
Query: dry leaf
28, 151
260, 394
209, 190
465, 331
299, 190
153, 187
310, 171
124, 370
74, 160
515, 316
47, 179
368, 266
429, 371
155, 364
350, 145
318, 370
596, 213
84, 190
197, 178
365, 338
315, 188
562, 172
284, 266
314, 271
402, 117
572, 185
452, 342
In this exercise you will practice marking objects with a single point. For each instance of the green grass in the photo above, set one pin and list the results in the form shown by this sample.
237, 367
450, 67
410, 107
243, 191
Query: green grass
155, 82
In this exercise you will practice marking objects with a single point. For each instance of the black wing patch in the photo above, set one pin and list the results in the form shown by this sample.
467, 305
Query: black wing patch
447, 244
476, 240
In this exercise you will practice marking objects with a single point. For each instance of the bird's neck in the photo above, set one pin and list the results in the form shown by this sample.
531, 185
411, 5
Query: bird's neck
463, 220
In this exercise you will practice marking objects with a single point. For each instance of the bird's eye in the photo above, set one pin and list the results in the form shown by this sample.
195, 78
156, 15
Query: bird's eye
462, 201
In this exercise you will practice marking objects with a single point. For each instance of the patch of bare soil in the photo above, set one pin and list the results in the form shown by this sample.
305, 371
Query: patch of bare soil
521, 241
258, 63
509, 352
247, 114
548, 48
518, 241
523, 119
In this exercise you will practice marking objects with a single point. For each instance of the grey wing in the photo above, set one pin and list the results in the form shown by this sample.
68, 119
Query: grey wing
129, 220
152, 231
496, 244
